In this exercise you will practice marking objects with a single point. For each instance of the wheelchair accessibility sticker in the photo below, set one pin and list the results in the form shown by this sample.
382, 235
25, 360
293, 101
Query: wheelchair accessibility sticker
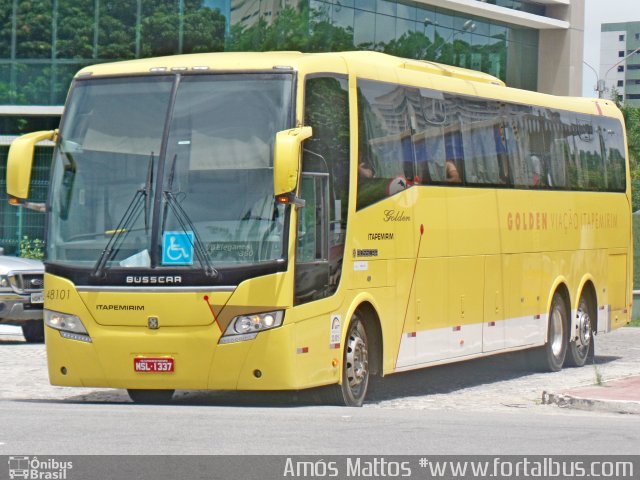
177, 248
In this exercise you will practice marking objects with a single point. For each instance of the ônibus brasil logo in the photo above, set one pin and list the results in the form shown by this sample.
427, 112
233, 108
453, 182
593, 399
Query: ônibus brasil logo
33, 469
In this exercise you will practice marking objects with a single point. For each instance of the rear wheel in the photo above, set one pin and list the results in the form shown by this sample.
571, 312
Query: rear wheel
581, 348
551, 356
33, 331
150, 396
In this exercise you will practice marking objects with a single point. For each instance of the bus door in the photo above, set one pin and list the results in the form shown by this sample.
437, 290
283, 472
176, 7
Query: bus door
313, 270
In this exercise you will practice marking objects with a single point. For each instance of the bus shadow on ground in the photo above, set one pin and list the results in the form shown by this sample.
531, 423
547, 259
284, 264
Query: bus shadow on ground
434, 380
444, 379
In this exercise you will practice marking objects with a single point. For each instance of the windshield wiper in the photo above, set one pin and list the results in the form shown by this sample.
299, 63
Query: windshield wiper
171, 202
130, 216
147, 193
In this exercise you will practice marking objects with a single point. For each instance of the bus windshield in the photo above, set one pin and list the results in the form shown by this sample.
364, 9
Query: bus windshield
169, 170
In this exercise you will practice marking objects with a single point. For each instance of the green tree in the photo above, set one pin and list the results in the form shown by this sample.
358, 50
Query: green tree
293, 29
288, 31
204, 29
32, 248
632, 123
75, 29
410, 45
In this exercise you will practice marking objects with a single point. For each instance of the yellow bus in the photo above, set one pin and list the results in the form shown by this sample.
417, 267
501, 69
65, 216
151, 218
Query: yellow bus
284, 221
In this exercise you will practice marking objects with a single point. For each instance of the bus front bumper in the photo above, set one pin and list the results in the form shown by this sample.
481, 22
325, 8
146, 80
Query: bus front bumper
108, 360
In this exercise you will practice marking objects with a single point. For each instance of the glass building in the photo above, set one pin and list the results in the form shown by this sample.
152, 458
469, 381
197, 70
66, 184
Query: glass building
529, 44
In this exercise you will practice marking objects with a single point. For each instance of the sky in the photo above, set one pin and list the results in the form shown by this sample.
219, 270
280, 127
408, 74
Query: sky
596, 13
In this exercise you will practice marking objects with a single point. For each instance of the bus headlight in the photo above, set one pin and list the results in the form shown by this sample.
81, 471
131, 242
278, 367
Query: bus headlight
247, 327
70, 326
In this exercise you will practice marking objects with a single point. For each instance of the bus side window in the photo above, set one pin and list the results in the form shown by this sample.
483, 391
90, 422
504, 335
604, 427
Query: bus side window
385, 142
614, 159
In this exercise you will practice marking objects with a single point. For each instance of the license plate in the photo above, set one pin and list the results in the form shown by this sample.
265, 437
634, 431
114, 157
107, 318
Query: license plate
153, 365
37, 297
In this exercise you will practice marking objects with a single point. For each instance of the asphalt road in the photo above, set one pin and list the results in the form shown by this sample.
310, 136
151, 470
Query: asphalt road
490, 406
68, 428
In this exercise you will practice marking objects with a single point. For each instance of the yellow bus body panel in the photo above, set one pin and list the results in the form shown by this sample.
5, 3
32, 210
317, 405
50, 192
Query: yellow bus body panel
465, 272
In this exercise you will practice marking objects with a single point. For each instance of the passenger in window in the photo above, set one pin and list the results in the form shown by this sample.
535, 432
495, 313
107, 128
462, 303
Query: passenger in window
365, 170
536, 170
451, 172
370, 188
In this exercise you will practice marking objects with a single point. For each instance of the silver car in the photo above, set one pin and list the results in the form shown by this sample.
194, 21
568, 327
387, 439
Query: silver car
22, 295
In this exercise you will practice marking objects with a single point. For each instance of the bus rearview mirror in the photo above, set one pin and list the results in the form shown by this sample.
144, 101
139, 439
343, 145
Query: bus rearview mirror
20, 164
286, 158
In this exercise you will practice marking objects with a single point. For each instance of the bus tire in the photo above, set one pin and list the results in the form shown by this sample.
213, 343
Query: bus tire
150, 396
550, 357
355, 369
582, 347
355, 364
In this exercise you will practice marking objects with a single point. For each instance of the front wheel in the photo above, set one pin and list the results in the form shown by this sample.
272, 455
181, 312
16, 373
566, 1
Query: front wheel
551, 356
355, 369
150, 396
355, 365
581, 348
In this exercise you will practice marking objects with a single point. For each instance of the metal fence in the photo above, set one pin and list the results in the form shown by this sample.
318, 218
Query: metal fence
16, 223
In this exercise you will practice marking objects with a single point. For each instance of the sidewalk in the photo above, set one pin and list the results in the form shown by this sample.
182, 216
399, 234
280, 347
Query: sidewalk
616, 396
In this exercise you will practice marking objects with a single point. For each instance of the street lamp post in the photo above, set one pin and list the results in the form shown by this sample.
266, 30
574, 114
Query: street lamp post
601, 84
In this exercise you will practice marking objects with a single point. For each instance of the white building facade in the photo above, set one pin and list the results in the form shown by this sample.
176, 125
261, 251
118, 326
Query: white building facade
619, 65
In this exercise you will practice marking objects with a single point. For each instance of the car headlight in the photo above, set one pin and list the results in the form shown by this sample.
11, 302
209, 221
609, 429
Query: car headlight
247, 327
70, 326
5, 283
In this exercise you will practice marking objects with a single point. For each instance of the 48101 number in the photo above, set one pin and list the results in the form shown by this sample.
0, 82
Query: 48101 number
58, 294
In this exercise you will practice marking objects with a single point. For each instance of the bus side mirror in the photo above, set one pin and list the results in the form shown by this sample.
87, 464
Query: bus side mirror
286, 159
19, 166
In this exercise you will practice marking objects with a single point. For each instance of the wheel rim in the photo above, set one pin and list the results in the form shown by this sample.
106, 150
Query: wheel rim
556, 332
583, 339
357, 359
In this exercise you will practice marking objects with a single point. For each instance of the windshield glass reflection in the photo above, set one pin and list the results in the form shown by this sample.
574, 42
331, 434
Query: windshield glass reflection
200, 197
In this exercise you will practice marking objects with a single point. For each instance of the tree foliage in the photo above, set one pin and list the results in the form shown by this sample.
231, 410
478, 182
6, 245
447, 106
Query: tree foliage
632, 123
51, 40
293, 29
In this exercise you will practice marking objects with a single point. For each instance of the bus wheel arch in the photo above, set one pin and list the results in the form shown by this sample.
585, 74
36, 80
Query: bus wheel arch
371, 322
581, 342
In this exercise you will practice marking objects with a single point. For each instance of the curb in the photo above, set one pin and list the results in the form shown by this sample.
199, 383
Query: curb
570, 401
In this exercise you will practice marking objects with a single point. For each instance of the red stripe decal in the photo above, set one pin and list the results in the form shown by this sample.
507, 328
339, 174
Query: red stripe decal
599, 109
213, 312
